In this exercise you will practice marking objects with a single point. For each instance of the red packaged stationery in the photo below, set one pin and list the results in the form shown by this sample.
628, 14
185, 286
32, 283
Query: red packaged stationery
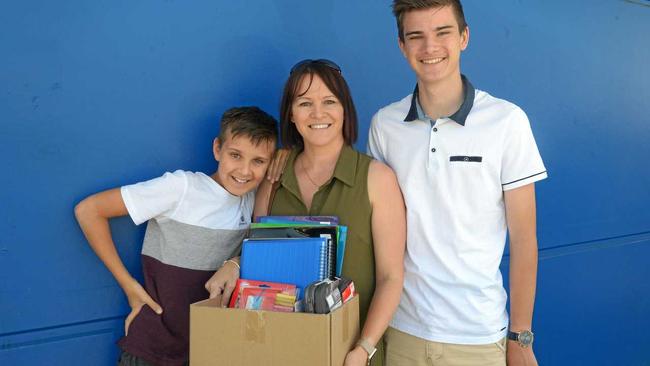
263, 295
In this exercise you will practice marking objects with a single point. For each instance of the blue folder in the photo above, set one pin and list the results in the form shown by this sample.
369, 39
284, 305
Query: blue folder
298, 261
295, 221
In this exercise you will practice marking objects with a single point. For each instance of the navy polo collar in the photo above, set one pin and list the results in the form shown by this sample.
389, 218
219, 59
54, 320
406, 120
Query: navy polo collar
461, 114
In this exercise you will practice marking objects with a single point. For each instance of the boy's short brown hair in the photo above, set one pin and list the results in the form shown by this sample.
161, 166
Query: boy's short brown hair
401, 7
252, 122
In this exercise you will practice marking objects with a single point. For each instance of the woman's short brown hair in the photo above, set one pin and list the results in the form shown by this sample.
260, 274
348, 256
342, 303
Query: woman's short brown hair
335, 83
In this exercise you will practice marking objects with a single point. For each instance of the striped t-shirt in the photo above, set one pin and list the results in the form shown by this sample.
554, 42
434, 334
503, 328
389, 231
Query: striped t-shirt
194, 224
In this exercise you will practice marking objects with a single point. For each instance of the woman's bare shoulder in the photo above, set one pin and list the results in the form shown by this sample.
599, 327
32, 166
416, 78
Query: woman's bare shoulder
382, 181
379, 173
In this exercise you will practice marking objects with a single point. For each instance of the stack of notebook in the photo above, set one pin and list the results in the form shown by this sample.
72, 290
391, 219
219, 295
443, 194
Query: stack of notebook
293, 249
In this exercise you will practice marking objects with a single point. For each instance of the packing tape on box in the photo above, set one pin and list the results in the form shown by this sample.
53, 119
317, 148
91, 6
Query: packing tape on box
346, 323
254, 330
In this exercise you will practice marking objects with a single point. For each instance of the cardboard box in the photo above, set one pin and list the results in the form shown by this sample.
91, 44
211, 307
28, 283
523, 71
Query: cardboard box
236, 337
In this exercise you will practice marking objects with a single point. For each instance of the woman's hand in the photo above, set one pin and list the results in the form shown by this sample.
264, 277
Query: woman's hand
138, 298
223, 281
356, 357
274, 172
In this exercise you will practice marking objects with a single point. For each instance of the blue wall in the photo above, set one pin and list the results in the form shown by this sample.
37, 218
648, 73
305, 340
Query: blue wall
98, 94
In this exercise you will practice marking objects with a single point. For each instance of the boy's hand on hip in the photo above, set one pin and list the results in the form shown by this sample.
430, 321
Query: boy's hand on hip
516, 355
138, 297
223, 282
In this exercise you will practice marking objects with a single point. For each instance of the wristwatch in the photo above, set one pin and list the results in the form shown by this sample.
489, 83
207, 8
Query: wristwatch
369, 348
524, 338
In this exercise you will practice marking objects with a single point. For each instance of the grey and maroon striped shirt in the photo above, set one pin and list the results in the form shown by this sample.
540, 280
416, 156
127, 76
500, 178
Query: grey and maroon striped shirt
194, 224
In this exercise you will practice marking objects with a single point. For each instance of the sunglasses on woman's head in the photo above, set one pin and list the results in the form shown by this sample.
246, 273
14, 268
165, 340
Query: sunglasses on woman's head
320, 61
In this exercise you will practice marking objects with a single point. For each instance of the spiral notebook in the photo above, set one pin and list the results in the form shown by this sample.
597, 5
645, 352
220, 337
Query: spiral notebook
268, 231
304, 223
318, 220
298, 261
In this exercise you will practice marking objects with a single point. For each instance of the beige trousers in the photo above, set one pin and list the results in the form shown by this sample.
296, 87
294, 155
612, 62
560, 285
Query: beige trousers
403, 349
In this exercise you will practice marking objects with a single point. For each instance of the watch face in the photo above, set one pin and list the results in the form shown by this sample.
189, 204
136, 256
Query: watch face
526, 338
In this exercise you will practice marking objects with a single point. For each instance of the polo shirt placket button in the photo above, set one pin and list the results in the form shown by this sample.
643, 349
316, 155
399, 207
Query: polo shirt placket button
433, 149
435, 129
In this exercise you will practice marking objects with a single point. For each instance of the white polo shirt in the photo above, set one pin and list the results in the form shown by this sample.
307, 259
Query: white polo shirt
452, 172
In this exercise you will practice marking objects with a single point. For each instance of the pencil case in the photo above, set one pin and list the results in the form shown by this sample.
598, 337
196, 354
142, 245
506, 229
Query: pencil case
322, 297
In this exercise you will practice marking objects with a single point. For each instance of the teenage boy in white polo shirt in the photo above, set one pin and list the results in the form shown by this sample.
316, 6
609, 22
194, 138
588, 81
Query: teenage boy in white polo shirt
466, 163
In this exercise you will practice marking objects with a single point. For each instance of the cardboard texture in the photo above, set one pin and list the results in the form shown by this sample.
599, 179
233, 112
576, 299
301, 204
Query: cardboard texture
236, 337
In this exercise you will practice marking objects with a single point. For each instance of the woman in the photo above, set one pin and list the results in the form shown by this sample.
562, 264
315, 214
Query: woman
324, 175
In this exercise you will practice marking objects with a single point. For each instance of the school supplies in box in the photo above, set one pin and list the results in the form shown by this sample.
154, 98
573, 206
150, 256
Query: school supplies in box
309, 222
263, 295
323, 297
261, 298
346, 287
298, 261
319, 220
340, 248
277, 231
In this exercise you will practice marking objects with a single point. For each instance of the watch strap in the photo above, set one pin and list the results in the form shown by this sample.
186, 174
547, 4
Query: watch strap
369, 348
524, 341
513, 336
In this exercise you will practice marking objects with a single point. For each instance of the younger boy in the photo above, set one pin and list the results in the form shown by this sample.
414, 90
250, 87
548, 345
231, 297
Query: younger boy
196, 224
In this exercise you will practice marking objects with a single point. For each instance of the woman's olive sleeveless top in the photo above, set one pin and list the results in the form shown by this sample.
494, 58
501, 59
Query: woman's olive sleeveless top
345, 195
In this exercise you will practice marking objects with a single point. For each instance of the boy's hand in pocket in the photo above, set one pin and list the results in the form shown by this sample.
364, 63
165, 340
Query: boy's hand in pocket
138, 298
